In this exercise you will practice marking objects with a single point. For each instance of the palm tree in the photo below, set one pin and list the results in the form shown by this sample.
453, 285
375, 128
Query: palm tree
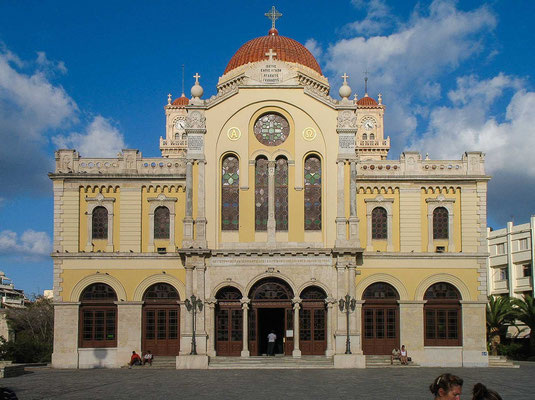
525, 312
500, 314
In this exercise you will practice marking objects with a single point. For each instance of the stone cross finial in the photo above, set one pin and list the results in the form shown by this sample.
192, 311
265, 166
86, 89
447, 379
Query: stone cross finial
366, 83
196, 76
273, 15
345, 76
380, 98
270, 54
355, 98
169, 98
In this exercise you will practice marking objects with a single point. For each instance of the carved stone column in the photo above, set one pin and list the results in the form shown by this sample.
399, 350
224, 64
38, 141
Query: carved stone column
210, 326
271, 224
187, 240
329, 352
200, 221
353, 219
352, 269
296, 353
189, 291
341, 239
200, 268
245, 324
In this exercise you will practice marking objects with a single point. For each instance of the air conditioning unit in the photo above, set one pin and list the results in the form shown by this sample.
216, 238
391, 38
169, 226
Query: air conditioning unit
440, 249
162, 250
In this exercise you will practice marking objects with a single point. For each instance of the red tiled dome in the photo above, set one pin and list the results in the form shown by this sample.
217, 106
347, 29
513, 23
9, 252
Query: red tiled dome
287, 50
367, 101
181, 101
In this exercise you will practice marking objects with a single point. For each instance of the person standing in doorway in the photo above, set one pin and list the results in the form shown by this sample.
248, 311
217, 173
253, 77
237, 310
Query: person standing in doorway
272, 337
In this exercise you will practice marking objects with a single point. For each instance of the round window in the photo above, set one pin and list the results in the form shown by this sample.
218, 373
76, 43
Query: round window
271, 129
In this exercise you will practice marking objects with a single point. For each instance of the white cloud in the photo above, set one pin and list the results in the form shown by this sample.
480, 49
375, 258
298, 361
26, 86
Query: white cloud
101, 139
407, 64
378, 17
30, 244
49, 66
313, 46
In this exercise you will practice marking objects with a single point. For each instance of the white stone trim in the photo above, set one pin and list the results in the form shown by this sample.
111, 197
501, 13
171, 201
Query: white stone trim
455, 281
98, 278
439, 201
162, 201
391, 280
387, 204
159, 278
92, 203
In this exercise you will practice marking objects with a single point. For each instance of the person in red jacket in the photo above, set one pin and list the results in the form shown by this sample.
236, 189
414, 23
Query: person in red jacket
134, 360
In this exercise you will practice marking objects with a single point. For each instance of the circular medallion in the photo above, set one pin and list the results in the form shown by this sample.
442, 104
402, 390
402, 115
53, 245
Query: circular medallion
234, 133
271, 129
309, 133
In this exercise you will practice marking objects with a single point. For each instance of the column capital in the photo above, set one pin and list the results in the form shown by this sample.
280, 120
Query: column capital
330, 301
211, 302
245, 300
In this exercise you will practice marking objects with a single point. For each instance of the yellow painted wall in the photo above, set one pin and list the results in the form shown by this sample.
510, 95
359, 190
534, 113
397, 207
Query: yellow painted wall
449, 193
180, 211
92, 192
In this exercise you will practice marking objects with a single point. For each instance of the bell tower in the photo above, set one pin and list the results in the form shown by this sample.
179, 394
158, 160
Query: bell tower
371, 143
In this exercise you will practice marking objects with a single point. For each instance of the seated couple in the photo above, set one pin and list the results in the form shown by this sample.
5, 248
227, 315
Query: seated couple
400, 355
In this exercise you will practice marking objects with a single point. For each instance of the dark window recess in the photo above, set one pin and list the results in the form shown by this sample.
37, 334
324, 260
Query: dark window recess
100, 223
440, 223
312, 193
261, 194
379, 223
161, 223
281, 194
442, 315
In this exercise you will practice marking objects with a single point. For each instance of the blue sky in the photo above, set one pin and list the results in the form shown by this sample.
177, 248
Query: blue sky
454, 76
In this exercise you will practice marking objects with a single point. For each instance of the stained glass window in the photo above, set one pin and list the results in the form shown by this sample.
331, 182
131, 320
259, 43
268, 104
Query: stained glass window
440, 223
100, 223
281, 194
312, 193
230, 204
161, 223
271, 129
379, 223
261, 194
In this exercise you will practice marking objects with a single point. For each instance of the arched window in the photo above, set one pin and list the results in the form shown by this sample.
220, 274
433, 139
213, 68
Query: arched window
380, 291
98, 316
161, 223
261, 193
364, 136
228, 293
313, 193
281, 194
230, 196
440, 223
442, 315
372, 136
100, 223
379, 223
161, 292
271, 289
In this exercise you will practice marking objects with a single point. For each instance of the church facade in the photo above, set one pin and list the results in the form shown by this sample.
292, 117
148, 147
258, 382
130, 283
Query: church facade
272, 202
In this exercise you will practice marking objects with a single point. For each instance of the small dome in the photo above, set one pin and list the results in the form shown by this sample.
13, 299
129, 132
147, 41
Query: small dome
367, 101
181, 101
286, 49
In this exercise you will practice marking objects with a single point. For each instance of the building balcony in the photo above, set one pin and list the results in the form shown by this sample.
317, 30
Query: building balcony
11, 301
523, 283
501, 285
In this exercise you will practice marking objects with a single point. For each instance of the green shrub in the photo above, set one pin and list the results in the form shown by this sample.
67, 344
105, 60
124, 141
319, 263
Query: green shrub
513, 350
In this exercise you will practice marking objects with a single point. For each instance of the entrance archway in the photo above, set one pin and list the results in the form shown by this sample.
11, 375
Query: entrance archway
380, 319
229, 322
312, 321
271, 310
161, 320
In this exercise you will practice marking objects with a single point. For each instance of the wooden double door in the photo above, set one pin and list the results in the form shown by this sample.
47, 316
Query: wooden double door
380, 328
229, 329
312, 329
161, 329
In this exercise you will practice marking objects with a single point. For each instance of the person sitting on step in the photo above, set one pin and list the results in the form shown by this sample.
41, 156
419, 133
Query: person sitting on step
147, 358
396, 355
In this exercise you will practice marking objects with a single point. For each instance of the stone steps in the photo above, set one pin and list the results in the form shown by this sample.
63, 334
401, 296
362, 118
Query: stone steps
162, 362
501, 362
262, 362
382, 361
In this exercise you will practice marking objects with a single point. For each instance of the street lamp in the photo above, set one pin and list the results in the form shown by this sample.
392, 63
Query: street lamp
192, 306
346, 305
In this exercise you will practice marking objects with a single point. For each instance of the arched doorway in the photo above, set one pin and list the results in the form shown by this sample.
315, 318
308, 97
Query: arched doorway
380, 319
229, 322
313, 321
98, 316
271, 310
161, 320
442, 310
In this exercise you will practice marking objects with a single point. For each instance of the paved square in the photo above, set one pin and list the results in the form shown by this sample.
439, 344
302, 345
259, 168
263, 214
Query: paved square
146, 383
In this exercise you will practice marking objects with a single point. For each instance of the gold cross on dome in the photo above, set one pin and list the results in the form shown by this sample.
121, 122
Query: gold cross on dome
270, 54
196, 76
273, 15
345, 76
